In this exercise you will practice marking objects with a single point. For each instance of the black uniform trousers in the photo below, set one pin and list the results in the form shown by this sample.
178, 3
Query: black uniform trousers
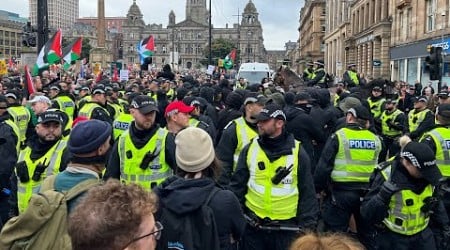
388, 240
257, 239
391, 147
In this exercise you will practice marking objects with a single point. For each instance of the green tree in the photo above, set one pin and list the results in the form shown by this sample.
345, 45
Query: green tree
220, 48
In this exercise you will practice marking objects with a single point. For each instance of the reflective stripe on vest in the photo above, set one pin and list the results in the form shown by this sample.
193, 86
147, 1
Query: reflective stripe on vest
357, 156
265, 199
21, 116
25, 190
375, 106
117, 109
121, 124
405, 215
353, 76
415, 119
88, 108
66, 105
244, 134
322, 80
156, 172
385, 129
16, 132
441, 138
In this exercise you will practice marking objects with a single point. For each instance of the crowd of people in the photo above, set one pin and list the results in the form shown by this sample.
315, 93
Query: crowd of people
367, 161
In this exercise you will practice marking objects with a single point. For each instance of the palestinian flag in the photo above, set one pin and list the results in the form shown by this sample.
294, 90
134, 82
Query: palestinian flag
50, 53
229, 60
72, 52
28, 83
146, 48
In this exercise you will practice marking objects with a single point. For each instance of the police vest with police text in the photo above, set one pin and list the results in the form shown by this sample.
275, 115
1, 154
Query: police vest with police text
51, 159
131, 158
21, 117
415, 119
357, 155
441, 138
265, 199
121, 124
66, 104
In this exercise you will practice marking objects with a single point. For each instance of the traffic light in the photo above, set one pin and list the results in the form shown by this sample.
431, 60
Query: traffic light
434, 62
29, 36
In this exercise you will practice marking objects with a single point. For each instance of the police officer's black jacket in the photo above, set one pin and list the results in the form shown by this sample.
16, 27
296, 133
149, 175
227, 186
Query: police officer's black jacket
8, 154
426, 125
102, 113
374, 209
322, 174
139, 139
206, 124
225, 116
225, 150
274, 148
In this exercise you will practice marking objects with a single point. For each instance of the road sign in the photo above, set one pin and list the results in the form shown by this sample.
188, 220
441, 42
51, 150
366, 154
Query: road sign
376, 63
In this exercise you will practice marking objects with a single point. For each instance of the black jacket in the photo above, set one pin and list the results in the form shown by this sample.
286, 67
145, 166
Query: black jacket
225, 116
424, 126
8, 154
139, 139
184, 195
308, 208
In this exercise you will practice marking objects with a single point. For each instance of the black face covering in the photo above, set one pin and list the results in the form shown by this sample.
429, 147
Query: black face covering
305, 106
99, 159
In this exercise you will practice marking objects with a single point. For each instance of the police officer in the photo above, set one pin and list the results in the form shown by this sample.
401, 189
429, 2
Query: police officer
237, 134
344, 168
84, 96
21, 115
402, 199
140, 155
308, 73
393, 125
96, 108
62, 100
198, 119
350, 77
112, 100
320, 76
44, 156
123, 121
420, 119
273, 182
376, 104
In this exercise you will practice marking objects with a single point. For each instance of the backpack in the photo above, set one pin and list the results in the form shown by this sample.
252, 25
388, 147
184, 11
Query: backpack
43, 225
196, 230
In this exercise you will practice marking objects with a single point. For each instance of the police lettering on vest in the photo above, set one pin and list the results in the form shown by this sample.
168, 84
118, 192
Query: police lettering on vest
121, 125
447, 144
362, 144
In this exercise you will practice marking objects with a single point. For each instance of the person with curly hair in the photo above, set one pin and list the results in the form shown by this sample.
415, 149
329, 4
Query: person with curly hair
115, 216
335, 241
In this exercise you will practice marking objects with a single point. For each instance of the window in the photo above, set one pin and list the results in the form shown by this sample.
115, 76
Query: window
431, 15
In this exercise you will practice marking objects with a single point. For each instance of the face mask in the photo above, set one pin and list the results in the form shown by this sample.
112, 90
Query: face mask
305, 106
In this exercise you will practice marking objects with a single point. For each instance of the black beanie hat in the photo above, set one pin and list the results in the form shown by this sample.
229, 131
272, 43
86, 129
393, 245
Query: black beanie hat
422, 157
87, 136
234, 100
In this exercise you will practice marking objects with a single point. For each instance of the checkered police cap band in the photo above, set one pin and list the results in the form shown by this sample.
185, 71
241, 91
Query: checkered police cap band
411, 158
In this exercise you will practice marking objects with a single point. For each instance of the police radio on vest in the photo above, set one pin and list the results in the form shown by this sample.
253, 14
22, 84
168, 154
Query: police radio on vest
362, 144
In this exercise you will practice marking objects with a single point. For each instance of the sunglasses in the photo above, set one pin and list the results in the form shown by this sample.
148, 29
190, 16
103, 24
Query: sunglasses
157, 234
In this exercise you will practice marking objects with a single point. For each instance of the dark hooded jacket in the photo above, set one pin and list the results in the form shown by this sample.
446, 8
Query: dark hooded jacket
182, 196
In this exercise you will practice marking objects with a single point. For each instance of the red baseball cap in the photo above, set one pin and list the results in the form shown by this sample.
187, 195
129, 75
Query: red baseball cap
178, 107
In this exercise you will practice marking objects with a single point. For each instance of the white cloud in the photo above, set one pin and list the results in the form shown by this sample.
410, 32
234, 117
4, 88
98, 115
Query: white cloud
279, 18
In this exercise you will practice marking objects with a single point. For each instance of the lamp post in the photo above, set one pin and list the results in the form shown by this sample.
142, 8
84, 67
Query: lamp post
249, 35
210, 36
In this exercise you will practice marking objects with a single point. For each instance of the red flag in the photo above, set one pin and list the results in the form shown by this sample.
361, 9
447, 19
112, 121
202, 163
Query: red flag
99, 76
28, 84
10, 63
115, 77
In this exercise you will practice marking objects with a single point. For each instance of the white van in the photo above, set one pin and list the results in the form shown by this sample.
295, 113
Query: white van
253, 72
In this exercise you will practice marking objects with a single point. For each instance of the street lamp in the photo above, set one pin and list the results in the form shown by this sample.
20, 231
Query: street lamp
249, 35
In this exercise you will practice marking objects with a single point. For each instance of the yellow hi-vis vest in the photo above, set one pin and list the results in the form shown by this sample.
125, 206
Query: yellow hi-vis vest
265, 199
309, 73
121, 124
88, 108
52, 158
405, 215
322, 80
193, 122
353, 76
375, 107
415, 119
357, 155
16, 132
385, 129
21, 117
131, 157
66, 105
244, 135
117, 108
441, 138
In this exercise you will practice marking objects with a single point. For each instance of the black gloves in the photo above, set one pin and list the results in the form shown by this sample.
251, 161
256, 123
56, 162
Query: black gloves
387, 190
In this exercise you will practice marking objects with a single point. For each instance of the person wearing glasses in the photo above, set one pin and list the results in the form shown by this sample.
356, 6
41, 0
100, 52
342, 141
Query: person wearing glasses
115, 216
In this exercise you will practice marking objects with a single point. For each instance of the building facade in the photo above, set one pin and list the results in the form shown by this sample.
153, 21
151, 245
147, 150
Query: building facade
416, 26
61, 14
11, 35
181, 44
113, 24
312, 30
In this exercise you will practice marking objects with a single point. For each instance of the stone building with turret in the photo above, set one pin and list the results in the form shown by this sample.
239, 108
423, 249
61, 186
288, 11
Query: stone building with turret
181, 43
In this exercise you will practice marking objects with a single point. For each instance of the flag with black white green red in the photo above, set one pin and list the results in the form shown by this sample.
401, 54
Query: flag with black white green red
50, 53
146, 48
72, 52
229, 60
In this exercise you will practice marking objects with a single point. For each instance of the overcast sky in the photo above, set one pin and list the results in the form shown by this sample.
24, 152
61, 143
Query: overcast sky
279, 18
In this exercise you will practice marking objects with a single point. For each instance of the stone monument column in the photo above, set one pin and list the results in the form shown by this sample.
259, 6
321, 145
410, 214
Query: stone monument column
100, 54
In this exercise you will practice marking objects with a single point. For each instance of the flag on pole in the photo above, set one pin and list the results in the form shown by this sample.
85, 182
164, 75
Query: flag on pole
28, 82
229, 60
50, 53
146, 48
72, 52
